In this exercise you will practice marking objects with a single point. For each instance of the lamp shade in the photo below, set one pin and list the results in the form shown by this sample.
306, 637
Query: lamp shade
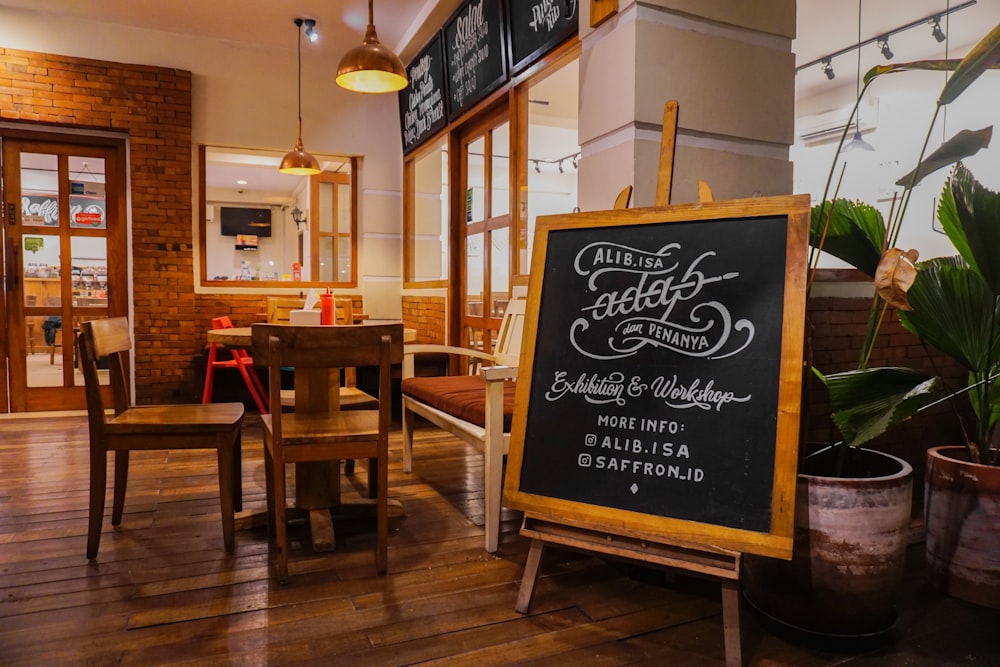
298, 161
371, 67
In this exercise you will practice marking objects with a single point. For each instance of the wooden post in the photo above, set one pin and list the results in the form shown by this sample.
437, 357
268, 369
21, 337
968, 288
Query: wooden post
668, 141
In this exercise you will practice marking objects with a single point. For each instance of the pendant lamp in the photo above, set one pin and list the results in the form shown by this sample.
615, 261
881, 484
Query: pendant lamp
857, 143
298, 161
371, 67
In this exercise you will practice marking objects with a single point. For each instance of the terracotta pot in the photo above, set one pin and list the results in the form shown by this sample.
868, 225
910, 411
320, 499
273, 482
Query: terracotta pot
962, 521
849, 548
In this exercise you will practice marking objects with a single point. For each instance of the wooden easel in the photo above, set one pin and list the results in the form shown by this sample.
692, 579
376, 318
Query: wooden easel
715, 563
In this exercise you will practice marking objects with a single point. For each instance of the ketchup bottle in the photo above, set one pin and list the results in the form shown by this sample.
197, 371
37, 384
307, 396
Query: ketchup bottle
326, 310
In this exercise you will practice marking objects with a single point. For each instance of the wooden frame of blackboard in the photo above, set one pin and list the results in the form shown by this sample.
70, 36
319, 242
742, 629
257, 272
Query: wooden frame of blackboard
457, 110
517, 64
776, 540
435, 49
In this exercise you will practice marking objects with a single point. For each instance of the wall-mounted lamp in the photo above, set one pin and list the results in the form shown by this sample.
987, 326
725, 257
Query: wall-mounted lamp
936, 31
827, 68
311, 33
883, 45
299, 218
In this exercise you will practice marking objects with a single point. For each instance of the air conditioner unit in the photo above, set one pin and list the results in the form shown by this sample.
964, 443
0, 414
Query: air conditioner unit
828, 126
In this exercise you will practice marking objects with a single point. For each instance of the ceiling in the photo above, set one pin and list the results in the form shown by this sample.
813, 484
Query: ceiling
823, 26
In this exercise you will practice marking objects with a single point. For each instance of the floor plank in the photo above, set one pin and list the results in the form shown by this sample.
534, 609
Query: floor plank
163, 591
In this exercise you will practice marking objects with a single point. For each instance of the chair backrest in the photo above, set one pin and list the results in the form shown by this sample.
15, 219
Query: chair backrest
311, 346
508, 345
310, 349
279, 309
105, 338
222, 322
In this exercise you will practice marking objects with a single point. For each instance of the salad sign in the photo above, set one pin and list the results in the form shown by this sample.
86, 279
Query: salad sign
662, 381
474, 41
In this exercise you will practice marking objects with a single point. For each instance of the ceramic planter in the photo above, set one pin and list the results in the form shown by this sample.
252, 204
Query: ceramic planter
849, 547
962, 520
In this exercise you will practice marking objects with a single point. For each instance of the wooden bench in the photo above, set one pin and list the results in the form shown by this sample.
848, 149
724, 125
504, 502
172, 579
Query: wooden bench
476, 408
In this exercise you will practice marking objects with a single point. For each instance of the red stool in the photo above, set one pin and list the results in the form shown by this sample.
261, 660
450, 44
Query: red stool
241, 361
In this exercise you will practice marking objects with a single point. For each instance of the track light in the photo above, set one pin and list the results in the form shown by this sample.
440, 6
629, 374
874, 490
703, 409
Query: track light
883, 45
827, 68
560, 167
574, 159
936, 31
311, 34
538, 168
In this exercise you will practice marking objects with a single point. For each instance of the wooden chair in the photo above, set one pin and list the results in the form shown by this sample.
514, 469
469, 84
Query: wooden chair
478, 408
215, 426
351, 398
239, 360
318, 430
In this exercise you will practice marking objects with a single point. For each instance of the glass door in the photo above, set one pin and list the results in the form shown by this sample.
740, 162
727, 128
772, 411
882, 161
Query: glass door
485, 162
64, 262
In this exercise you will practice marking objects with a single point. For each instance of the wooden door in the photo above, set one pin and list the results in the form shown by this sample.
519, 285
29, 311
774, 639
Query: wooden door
65, 260
485, 230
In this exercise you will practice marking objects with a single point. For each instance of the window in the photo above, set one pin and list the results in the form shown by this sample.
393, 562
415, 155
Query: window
426, 216
257, 224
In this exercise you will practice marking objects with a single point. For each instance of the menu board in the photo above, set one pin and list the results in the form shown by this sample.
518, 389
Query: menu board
475, 62
422, 102
538, 25
665, 355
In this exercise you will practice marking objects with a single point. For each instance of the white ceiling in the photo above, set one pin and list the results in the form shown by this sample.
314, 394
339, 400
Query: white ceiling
823, 26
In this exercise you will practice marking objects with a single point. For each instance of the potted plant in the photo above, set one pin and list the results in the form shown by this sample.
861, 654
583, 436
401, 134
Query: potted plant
841, 580
955, 307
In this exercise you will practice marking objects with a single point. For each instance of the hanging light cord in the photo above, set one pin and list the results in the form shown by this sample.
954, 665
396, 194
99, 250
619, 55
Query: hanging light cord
857, 79
299, 28
371, 12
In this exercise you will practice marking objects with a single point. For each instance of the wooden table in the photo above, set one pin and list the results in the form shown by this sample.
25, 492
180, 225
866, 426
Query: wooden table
317, 485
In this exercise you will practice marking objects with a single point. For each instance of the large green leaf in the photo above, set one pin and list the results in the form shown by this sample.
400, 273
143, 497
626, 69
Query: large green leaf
866, 403
941, 65
960, 146
992, 401
970, 215
955, 311
855, 235
982, 57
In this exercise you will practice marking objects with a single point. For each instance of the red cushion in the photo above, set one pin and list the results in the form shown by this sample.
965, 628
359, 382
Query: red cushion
462, 396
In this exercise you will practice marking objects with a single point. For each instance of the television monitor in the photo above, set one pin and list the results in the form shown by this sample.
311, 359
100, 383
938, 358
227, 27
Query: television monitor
239, 220
246, 242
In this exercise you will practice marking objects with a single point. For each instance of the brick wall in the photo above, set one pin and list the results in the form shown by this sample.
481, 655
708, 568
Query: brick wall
835, 332
152, 105
426, 315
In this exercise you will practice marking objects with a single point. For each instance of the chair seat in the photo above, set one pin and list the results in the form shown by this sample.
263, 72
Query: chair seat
310, 427
178, 419
460, 396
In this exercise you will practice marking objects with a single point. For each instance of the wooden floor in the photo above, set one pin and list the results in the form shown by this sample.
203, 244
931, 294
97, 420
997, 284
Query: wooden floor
164, 592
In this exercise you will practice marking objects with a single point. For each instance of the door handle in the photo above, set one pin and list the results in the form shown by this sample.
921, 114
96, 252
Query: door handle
12, 265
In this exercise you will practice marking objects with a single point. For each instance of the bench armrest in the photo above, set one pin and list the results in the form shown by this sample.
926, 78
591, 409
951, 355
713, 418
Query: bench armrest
417, 348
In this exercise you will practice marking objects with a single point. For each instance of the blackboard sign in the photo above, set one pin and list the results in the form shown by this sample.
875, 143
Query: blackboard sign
422, 102
538, 25
661, 372
475, 61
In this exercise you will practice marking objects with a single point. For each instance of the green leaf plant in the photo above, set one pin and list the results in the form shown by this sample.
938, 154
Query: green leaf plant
950, 303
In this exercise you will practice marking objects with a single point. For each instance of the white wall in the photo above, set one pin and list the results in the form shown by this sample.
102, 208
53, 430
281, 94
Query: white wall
246, 97
905, 106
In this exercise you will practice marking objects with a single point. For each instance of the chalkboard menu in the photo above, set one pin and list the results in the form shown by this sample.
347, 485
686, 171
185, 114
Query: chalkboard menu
474, 43
538, 25
422, 102
662, 380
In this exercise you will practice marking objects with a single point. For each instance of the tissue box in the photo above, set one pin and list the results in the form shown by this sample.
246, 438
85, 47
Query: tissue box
303, 317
